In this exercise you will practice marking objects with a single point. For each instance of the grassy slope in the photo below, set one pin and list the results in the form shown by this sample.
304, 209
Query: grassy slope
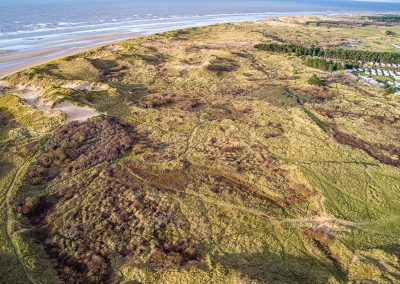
273, 195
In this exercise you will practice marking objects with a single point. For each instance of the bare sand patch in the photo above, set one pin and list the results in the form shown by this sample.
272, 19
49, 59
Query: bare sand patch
280, 24
85, 85
4, 84
227, 44
33, 96
164, 44
112, 47
74, 112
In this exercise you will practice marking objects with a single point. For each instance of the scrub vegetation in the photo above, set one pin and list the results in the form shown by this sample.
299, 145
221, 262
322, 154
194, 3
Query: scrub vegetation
209, 161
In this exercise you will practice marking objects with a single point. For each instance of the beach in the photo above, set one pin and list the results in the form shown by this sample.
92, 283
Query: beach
35, 33
11, 61
23, 49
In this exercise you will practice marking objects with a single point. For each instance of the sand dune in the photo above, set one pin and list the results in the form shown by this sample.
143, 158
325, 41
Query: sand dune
74, 112
84, 85
33, 96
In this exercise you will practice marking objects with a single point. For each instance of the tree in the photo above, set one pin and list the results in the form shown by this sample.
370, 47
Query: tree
314, 80
389, 90
343, 54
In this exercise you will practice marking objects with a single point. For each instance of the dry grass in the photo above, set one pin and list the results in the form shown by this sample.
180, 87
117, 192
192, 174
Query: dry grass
234, 157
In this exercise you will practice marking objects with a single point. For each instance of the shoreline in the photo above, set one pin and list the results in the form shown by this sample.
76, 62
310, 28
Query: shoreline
12, 61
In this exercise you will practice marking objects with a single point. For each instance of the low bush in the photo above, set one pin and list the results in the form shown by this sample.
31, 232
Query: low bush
221, 65
314, 80
76, 145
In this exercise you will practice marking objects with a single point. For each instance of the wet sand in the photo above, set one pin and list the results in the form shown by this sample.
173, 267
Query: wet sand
2, 51
11, 62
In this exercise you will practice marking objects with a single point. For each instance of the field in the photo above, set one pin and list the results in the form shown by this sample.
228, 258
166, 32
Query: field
197, 158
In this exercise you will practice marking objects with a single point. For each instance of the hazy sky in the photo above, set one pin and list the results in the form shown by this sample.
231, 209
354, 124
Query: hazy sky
298, 1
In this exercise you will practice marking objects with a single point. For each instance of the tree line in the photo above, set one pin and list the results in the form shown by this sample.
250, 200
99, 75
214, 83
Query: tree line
385, 18
342, 54
327, 65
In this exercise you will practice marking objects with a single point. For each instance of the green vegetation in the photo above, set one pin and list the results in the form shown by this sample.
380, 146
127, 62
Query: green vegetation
314, 80
390, 90
390, 33
209, 161
222, 65
385, 18
326, 65
343, 54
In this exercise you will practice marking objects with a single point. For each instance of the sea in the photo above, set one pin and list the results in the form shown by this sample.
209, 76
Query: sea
59, 26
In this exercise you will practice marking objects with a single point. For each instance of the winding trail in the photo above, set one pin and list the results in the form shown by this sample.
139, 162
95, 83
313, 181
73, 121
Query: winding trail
8, 213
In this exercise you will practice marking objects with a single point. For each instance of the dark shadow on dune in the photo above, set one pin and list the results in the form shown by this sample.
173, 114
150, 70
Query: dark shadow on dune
5, 167
271, 268
9, 269
392, 249
6, 121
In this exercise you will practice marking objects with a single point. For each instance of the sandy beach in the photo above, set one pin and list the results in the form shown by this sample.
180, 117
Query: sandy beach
5, 51
29, 43
11, 62
27, 48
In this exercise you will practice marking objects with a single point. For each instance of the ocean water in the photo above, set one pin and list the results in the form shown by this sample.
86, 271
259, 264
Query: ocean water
31, 25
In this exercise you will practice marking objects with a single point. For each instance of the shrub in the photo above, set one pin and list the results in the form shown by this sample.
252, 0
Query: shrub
389, 90
326, 65
29, 205
220, 65
75, 146
314, 80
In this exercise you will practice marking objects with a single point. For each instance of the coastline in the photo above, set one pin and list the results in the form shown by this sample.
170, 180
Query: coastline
12, 61
231, 152
41, 48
